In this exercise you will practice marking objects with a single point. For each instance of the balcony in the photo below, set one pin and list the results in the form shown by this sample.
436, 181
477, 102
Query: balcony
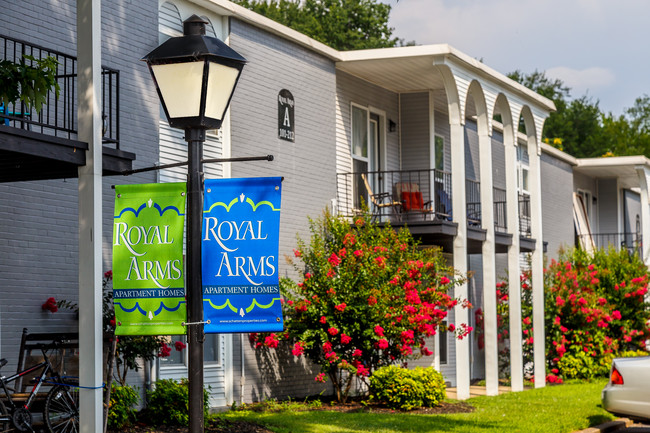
631, 242
44, 145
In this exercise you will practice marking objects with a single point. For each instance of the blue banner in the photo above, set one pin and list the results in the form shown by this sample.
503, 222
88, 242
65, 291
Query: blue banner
241, 231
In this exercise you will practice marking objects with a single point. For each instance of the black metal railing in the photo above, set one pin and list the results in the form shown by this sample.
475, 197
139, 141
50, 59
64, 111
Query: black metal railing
473, 202
404, 195
524, 216
628, 240
500, 208
58, 117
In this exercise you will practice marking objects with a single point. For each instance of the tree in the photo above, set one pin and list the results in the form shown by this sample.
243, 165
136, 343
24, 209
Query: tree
368, 297
341, 24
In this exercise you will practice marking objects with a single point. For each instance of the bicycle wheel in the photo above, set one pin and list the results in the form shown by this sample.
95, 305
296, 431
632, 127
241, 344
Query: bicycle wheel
5, 426
62, 409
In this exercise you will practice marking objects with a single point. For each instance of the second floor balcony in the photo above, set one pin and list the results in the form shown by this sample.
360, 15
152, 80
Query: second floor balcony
44, 145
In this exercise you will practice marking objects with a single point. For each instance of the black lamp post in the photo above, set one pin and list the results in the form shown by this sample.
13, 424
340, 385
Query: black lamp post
195, 76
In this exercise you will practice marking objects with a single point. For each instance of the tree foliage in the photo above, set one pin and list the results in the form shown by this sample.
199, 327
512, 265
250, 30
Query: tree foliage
368, 297
580, 128
341, 24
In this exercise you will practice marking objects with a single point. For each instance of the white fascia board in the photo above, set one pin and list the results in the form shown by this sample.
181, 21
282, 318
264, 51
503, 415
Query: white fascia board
614, 161
557, 153
227, 8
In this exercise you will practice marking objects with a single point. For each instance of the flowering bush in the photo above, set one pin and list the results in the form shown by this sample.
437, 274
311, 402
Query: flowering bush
595, 308
368, 297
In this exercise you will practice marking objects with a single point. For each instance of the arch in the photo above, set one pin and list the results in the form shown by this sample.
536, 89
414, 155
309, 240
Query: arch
531, 130
170, 23
453, 98
502, 107
209, 28
476, 95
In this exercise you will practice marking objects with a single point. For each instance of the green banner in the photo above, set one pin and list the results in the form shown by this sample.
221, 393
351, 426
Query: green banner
148, 287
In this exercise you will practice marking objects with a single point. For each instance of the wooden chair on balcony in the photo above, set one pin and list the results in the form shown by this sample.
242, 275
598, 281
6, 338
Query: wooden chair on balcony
410, 196
383, 200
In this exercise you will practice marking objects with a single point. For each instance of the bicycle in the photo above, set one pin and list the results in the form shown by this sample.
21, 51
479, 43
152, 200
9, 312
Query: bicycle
61, 410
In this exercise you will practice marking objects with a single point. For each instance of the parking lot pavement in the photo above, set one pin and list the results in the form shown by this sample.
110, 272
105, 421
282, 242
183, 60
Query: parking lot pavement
635, 428
622, 425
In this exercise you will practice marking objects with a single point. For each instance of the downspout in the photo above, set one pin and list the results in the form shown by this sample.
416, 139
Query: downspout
242, 378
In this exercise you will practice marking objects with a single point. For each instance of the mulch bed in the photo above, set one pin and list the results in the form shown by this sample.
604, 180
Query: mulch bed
226, 426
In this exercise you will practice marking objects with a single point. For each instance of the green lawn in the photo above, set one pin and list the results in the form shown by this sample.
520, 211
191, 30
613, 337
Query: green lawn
554, 409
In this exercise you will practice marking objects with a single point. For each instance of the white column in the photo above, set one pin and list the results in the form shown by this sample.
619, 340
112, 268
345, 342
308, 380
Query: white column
489, 267
644, 176
514, 284
90, 215
537, 265
460, 254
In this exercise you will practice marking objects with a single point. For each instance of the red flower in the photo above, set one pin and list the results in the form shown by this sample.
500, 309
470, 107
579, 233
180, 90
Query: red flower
357, 353
444, 280
379, 331
271, 341
383, 344
108, 275
372, 300
362, 371
451, 327
327, 347
179, 345
165, 350
323, 320
334, 260
358, 253
320, 377
332, 331
298, 349
307, 276
340, 307
559, 301
345, 339
297, 253
616, 315
426, 352
50, 305
527, 320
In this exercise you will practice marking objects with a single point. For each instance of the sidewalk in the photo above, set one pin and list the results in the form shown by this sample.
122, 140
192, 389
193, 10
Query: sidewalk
475, 391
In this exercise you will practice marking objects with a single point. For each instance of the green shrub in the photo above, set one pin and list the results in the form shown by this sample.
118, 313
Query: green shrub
168, 403
632, 353
400, 388
121, 411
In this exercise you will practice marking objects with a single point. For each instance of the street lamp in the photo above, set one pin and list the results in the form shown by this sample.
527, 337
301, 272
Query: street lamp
195, 76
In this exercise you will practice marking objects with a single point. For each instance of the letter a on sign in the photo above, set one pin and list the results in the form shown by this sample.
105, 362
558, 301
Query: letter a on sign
241, 229
148, 288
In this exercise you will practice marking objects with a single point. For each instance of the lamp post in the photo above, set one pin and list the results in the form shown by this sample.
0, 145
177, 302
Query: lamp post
195, 76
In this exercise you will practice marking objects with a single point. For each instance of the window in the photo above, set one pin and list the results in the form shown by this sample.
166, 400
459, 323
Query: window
439, 153
360, 159
522, 168
587, 200
179, 358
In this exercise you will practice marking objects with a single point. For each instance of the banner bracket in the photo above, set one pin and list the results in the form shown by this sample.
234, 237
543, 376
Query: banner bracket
206, 322
204, 161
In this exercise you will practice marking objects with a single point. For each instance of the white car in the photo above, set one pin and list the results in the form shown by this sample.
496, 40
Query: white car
628, 391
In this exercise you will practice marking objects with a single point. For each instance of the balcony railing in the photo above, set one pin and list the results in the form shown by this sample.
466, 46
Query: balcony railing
58, 116
408, 195
473, 202
524, 216
500, 215
628, 241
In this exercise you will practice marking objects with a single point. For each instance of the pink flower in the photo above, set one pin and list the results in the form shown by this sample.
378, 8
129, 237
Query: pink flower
345, 339
297, 253
582, 301
320, 377
362, 371
616, 315
358, 253
444, 280
298, 349
327, 347
271, 341
379, 331
381, 261
165, 350
527, 320
557, 320
559, 301
323, 320
383, 344
334, 260
451, 327
332, 331
357, 353
340, 307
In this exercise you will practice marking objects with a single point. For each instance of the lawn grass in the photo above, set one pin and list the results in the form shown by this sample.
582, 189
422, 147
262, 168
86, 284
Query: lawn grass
553, 409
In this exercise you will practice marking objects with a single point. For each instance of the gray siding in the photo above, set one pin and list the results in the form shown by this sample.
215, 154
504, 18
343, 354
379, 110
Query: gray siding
557, 204
472, 152
416, 143
350, 89
498, 160
38, 229
308, 166
608, 207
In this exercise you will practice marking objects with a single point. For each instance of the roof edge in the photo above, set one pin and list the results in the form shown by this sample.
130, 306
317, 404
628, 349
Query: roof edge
557, 153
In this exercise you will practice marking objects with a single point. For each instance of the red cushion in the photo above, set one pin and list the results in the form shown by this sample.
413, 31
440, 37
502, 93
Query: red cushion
412, 201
